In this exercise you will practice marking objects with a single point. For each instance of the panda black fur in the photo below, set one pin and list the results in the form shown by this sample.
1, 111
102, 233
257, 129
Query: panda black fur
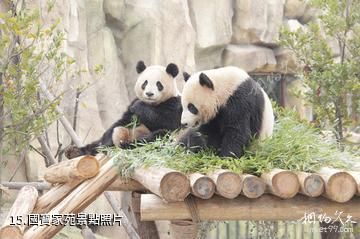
157, 106
228, 107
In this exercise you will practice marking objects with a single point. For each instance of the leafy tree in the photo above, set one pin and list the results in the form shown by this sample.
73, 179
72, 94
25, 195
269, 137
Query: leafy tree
29, 51
331, 82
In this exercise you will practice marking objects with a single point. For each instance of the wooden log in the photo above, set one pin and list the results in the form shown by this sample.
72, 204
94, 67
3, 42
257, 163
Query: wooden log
311, 184
201, 186
228, 184
253, 187
356, 176
22, 207
266, 207
56, 194
122, 184
340, 186
282, 183
82, 167
169, 184
77, 200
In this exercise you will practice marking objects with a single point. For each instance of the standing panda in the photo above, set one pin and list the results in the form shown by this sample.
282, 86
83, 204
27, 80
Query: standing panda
228, 107
157, 109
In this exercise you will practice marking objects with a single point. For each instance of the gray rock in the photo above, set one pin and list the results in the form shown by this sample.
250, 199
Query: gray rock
213, 23
257, 21
250, 58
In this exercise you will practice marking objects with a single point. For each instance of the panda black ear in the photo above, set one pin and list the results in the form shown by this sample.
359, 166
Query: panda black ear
140, 67
186, 76
205, 81
172, 69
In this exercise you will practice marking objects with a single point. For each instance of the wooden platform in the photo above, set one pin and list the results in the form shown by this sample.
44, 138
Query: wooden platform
267, 207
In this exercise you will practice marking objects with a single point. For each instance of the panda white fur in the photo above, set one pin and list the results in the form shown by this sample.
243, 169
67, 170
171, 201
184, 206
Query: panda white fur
228, 107
157, 107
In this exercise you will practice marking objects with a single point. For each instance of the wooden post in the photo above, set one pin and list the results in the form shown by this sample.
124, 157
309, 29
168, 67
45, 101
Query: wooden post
169, 184
22, 207
253, 187
180, 229
311, 184
146, 230
282, 183
340, 186
76, 201
82, 167
266, 207
202, 186
228, 184
56, 194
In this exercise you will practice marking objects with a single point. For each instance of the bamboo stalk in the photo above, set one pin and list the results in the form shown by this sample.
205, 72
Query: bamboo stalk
82, 167
228, 184
56, 194
77, 200
22, 207
253, 187
340, 186
282, 183
311, 184
267, 207
169, 184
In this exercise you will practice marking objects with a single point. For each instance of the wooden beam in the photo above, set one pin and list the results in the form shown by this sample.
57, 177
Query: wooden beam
82, 167
340, 186
282, 183
253, 187
202, 186
22, 207
77, 200
311, 184
267, 207
169, 184
18, 185
120, 184
228, 184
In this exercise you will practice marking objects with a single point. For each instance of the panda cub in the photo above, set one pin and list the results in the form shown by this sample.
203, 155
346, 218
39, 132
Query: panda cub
228, 107
157, 109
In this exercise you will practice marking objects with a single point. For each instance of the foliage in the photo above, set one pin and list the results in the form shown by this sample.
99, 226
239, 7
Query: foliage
29, 51
332, 83
295, 145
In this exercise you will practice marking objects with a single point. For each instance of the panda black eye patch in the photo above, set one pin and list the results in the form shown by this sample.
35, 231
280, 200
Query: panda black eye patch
159, 86
193, 109
144, 85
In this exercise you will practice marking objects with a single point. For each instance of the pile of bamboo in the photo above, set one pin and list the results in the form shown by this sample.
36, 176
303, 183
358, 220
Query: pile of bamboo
74, 184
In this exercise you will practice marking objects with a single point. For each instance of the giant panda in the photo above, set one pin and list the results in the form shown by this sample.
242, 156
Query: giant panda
226, 108
157, 108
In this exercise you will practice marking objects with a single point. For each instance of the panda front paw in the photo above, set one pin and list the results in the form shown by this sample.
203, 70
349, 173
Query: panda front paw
126, 145
72, 152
